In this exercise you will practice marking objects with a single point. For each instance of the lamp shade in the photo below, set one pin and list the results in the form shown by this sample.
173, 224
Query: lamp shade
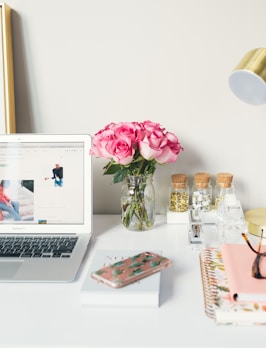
248, 79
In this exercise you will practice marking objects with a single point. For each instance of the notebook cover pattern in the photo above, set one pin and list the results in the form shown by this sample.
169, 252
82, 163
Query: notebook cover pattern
217, 300
238, 260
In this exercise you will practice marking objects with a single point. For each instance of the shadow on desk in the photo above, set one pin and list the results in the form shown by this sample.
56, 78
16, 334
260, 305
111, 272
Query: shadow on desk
166, 286
107, 222
172, 276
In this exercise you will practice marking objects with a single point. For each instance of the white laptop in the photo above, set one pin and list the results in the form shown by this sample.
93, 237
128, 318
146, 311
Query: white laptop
45, 206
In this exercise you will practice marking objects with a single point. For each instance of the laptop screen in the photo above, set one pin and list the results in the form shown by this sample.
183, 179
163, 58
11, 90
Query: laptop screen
42, 182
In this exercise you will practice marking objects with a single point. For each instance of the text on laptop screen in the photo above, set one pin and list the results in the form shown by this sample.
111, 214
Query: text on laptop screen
42, 183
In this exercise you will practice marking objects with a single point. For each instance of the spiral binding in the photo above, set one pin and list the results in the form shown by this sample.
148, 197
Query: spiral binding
209, 282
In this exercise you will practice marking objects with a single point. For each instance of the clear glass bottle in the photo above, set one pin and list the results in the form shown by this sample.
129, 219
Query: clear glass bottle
201, 196
179, 193
138, 202
223, 187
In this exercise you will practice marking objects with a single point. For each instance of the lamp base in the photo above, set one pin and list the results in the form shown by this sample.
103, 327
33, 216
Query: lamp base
256, 221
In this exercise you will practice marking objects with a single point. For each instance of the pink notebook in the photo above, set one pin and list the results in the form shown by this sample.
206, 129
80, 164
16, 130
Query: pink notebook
238, 260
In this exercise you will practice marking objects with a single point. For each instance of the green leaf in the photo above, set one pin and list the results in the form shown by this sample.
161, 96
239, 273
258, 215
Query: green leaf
111, 168
135, 256
120, 175
136, 271
117, 272
135, 264
146, 258
155, 263
118, 263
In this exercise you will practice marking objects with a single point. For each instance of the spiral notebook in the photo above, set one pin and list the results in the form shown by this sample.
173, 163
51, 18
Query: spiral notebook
216, 292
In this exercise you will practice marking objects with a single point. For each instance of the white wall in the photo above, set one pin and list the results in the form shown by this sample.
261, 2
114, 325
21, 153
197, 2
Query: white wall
82, 64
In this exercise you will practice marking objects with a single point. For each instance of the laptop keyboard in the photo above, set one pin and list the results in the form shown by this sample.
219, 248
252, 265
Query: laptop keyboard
35, 246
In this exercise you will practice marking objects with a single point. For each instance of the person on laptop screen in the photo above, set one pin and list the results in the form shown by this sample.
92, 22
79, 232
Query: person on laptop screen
9, 205
57, 175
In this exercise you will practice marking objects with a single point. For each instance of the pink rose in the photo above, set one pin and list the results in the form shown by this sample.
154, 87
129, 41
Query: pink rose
171, 150
127, 129
149, 147
121, 149
158, 145
100, 143
151, 127
153, 140
127, 143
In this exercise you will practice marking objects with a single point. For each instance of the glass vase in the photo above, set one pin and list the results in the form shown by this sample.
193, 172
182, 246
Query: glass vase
138, 202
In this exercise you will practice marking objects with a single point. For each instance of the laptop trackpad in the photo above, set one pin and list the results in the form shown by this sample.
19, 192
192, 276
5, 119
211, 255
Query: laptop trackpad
8, 268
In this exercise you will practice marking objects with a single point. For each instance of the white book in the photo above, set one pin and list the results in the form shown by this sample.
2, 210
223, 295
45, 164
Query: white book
143, 293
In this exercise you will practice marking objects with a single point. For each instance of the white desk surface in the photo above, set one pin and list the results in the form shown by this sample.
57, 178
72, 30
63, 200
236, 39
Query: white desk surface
50, 315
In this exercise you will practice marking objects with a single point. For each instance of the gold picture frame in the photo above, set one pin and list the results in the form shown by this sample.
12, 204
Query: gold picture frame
7, 94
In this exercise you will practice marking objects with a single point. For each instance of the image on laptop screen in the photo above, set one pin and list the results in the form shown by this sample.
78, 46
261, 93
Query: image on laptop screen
42, 183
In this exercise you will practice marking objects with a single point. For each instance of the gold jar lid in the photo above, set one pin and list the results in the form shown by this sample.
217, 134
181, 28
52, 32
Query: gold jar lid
256, 221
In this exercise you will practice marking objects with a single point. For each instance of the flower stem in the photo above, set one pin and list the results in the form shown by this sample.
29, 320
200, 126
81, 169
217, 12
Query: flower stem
137, 204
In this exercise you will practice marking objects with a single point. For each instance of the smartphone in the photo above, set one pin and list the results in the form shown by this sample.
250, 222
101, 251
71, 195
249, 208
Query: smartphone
131, 269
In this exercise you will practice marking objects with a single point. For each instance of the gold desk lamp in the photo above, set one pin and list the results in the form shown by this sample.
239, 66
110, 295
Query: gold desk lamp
248, 82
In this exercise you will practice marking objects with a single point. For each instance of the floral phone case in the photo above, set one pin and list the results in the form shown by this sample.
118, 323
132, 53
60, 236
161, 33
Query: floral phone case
131, 269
